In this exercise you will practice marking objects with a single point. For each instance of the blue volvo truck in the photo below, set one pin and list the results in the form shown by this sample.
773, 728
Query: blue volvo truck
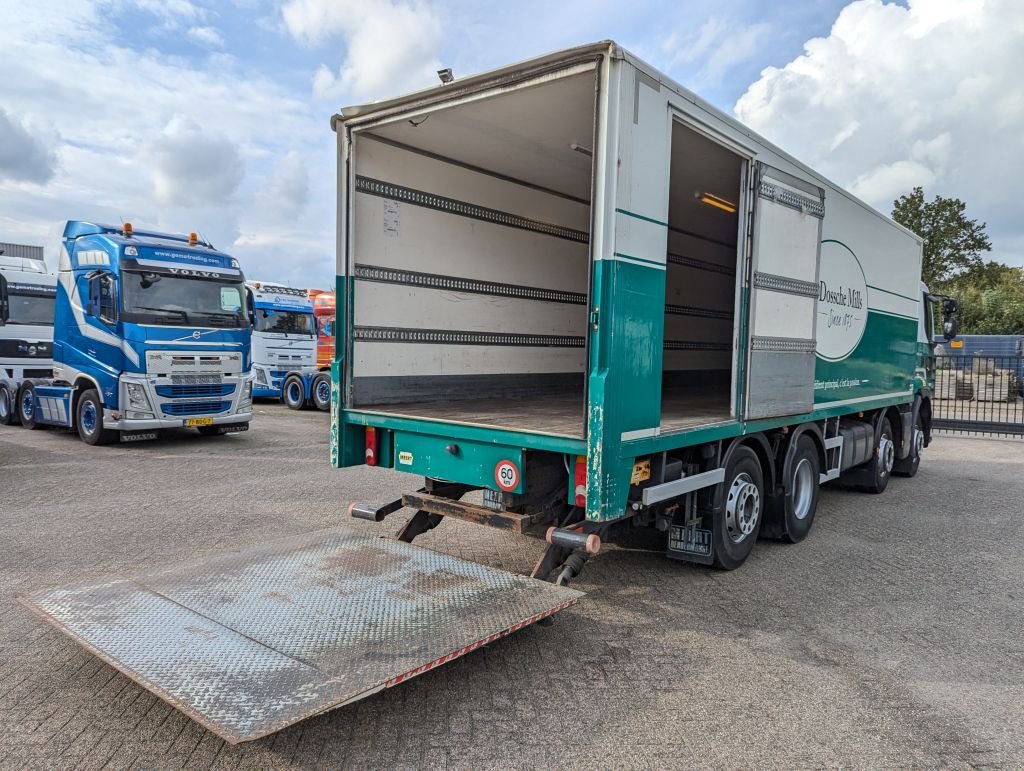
150, 332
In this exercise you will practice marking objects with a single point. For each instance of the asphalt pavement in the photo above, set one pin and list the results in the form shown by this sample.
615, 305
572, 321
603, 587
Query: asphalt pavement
891, 637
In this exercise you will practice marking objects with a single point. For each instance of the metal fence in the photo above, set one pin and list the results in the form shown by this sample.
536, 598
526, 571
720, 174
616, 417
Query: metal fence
979, 394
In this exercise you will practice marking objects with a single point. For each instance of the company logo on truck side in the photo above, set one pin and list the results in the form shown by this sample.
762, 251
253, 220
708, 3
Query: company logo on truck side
842, 302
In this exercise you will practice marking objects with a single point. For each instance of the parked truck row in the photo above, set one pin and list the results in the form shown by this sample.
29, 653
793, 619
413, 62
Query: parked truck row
576, 289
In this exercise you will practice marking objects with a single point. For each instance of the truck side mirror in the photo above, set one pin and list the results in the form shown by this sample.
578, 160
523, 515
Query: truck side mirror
950, 326
5, 304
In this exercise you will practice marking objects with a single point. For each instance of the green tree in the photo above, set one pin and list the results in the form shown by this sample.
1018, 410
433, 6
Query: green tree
952, 243
995, 308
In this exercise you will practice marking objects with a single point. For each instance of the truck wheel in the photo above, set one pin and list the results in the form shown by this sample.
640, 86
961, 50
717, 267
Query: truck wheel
880, 468
293, 393
908, 466
89, 420
7, 410
322, 393
740, 499
27, 406
801, 504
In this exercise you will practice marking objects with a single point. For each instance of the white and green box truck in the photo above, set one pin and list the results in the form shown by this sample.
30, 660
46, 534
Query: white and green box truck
576, 285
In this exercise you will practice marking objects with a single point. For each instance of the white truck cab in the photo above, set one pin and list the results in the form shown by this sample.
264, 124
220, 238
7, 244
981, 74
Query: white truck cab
26, 319
283, 335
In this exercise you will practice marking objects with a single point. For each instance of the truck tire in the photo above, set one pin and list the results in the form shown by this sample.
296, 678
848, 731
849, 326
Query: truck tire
322, 392
882, 461
89, 420
27, 406
908, 466
740, 500
789, 517
293, 393
8, 413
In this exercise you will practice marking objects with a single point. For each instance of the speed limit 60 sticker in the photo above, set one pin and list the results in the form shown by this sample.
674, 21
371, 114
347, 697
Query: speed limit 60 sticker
506, 474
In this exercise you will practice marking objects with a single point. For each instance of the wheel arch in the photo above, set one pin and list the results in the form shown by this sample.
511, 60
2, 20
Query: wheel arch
762, 448
82, 384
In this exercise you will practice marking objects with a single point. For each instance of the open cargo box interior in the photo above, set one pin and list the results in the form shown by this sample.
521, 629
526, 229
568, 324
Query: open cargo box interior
471, 231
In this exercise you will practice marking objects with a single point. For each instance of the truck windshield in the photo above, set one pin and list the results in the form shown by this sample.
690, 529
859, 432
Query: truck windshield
31, 306
150, 298
270, 320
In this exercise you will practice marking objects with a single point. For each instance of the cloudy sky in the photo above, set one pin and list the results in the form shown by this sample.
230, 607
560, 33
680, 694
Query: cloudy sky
214, 116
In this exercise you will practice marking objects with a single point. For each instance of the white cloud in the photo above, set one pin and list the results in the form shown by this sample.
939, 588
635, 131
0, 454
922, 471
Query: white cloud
207, 36
192, 166
25, 153
287, 190
894, 97
713, 49
391, 46
164, 142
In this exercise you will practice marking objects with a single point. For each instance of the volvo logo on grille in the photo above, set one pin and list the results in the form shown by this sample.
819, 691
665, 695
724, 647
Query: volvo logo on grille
196, 334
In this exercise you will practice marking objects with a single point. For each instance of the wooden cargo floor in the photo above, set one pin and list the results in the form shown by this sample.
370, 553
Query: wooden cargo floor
560, 414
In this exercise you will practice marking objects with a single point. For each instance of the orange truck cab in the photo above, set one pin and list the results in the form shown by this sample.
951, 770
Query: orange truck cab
323, 309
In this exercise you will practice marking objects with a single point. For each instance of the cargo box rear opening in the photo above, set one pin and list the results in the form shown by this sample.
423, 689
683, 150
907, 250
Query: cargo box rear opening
700, 281
470, 256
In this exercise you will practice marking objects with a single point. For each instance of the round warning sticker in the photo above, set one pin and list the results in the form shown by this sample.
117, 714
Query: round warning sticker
506, 475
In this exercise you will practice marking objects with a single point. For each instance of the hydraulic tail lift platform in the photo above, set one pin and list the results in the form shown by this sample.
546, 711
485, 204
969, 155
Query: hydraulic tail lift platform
249, 642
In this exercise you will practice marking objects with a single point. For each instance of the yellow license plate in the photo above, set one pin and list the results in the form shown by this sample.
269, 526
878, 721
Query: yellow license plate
189, 422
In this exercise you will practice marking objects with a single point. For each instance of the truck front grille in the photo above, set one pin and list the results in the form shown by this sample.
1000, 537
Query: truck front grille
195, 408
176, 391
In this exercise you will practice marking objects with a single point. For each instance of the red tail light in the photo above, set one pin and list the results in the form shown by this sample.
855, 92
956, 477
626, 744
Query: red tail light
371, 446
579, 481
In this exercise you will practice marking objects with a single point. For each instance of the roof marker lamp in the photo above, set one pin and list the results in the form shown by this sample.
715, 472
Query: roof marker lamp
126, 229
713, 200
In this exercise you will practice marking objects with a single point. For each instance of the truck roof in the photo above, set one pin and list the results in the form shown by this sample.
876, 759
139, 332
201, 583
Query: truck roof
554, 60
150, 239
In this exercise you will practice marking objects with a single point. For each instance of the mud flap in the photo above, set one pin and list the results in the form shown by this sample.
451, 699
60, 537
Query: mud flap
249, 642
691, 534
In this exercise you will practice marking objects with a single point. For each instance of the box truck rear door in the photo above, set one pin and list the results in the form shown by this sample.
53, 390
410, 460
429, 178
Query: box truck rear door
786, 249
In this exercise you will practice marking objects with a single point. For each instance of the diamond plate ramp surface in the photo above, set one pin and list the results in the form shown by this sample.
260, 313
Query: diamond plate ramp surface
249, 642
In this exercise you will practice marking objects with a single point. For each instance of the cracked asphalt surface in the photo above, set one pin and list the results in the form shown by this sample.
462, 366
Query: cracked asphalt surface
891, 637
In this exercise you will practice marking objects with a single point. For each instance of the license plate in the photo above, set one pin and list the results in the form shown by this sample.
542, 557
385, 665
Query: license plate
190, 422
690, 540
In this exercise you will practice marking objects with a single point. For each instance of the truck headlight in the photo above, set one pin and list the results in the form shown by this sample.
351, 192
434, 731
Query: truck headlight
137, 398
261, 376
246, 398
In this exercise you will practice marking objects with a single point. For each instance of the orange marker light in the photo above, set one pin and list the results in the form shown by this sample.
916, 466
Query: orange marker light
193, 239
127, 229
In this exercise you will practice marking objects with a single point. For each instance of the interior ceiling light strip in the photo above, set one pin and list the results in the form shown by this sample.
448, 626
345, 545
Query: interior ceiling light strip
788, 198
693, 262
470, 285
690, 310
785, 284
782, 345
695, 345
464, 337
464, 209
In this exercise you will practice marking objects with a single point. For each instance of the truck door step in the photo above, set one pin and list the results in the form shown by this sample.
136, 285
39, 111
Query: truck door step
249, 642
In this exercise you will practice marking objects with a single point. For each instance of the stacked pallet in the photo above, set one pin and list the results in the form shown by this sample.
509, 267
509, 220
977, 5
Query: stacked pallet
945, 383
992, 387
